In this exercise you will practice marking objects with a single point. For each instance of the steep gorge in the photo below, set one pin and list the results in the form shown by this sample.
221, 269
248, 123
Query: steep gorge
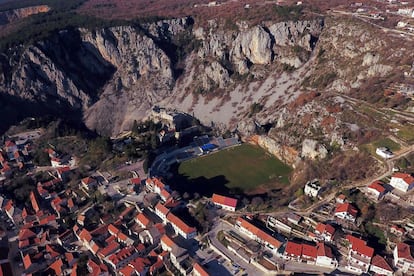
237, 78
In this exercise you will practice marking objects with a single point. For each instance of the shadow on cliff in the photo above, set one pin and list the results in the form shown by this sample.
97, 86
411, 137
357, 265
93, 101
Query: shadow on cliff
14, 109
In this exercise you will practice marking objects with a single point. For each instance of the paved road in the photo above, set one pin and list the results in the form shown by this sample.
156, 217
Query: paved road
218, 226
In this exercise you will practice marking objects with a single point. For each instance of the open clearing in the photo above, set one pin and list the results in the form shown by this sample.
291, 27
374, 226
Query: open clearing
244, 168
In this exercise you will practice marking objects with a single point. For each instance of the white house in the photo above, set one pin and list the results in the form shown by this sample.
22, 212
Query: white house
180, 227
384, 152
376, 190
380, 266
402, 181
325, 257
346, 211
403, 259
312, 188
359, 255
227, 203
161, 211
325, 232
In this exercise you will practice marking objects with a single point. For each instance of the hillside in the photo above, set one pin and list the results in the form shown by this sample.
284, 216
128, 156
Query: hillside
290, 76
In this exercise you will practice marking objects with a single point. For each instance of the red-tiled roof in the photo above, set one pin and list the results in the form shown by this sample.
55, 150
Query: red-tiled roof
404, 251
347, 208
164, 210
109, 249
126, 212
9, 144
33, 200
113, 230
139, 264
88, 180
167, 241
360, 246
173, 219
378, 186
57, 266
379, 261
223, 200
322, 228
135, 180
259, 232
293, 248
324, 250
165, 194
201, 271
85, 235
27, 261
309, 250
407, 178
63, 169
127, 271
143, 219
122, 254
26, 234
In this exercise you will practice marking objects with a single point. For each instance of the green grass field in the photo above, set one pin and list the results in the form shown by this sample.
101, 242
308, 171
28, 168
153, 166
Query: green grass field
245, 167
383, 142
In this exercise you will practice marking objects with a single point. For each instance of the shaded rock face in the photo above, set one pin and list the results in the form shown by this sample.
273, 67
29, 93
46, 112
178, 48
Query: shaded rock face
114, 76
14, 15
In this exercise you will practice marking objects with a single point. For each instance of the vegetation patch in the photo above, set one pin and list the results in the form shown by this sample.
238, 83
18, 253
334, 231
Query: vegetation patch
383, 142
406, 133
240, 169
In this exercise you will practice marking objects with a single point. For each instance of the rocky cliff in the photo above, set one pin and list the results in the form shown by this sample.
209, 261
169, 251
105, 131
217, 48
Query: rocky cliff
7, 17
281, 76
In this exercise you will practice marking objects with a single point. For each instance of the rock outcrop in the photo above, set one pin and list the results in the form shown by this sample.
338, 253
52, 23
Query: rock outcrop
10, 16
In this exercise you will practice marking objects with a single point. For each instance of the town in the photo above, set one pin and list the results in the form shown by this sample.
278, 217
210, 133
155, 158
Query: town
137, 225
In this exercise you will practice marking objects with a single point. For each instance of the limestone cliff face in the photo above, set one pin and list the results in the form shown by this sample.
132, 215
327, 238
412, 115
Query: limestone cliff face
14, 15
114, 76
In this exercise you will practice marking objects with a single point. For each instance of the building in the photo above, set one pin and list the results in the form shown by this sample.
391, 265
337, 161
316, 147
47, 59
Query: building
359, 255
380, 266
346, 211
161, 211
143, 220
403, 258
376, 190
402, 181
293, 251
88, 183
384, 152
312, 188
325, 232
227, 203
198, 270
325, 256
257, 234
180, 227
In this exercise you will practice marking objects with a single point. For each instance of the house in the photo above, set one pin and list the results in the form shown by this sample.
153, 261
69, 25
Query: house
309, 253
180, 259
325, 232
312, 188
89, 183
396, 230
56, 162
97, 270
293, 251
402, 181
63, 172
325, 257
161, 211
257, 234
227, 203
340, 199
121, 258
180, 227
359, 255
346, 211
384, 152
143, 220
10, 147
167, 243
198, 270
376, 190
380, 266
403, 258
155, 185
152, 235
